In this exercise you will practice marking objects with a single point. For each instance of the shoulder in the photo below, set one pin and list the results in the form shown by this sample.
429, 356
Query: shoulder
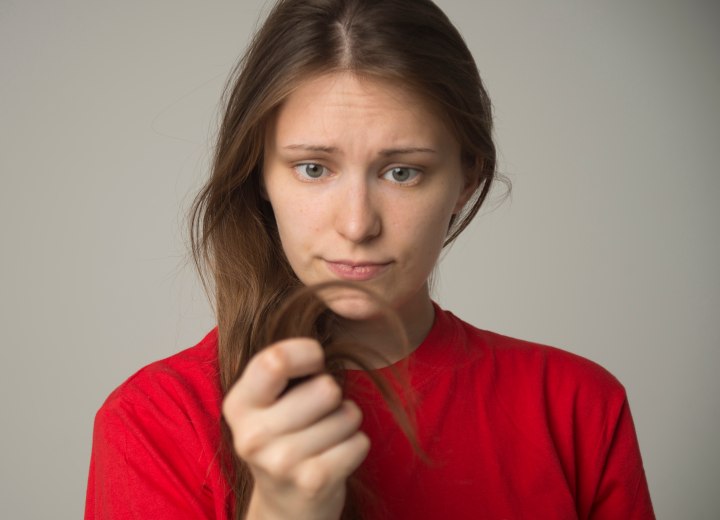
172, 389
550, 414
156, 440
520, 363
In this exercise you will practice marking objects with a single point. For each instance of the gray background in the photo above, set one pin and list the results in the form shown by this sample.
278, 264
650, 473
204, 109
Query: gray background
608, 124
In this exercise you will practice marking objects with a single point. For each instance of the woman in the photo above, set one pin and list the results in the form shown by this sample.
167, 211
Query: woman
356, 144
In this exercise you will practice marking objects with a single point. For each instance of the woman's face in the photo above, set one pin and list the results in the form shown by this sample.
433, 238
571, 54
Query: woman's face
363, 179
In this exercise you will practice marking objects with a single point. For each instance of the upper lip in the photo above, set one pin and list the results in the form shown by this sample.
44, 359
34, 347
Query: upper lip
358, 263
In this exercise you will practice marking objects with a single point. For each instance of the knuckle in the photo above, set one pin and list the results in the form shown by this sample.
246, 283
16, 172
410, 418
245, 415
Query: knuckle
232, 402
280, 463
232, 412
313, 480
272, 360
249, 440
229, 409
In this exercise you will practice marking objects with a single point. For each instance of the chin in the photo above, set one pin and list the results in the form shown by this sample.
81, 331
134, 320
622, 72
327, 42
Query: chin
353, 305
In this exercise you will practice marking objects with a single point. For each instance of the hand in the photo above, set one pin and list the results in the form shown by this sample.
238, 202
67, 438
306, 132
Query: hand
300, 446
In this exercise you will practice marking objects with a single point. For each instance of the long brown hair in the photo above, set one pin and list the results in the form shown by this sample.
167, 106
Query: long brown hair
234, 237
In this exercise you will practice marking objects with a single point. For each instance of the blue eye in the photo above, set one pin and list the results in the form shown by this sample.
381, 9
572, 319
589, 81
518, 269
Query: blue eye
311, 170
401, 174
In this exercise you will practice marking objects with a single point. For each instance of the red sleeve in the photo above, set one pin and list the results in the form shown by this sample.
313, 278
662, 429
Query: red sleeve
154, 453
622, 489
593, 433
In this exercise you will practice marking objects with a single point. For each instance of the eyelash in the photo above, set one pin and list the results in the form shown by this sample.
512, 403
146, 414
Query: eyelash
305, 176
415, 172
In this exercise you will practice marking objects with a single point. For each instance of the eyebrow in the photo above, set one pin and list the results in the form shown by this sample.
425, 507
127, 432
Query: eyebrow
311, 148
387, 152
400, 151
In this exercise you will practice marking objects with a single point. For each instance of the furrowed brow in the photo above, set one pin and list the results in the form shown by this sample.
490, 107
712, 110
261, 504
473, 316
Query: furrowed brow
311, 148
402, 151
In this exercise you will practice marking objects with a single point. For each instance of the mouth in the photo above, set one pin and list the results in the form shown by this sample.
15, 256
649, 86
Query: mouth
356, 271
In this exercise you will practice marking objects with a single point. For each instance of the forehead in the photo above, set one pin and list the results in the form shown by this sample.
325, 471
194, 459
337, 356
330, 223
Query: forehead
344, 105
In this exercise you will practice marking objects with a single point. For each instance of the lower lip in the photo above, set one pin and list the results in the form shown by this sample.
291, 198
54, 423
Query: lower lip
357, 273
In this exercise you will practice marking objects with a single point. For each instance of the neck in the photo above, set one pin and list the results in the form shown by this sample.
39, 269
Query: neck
416, 319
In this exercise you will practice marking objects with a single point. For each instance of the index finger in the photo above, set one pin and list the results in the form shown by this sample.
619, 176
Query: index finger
268, 373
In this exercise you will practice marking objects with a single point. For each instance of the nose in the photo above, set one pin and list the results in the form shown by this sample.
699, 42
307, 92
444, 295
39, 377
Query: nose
357, 214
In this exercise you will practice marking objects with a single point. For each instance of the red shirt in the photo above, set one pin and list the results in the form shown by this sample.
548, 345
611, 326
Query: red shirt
513, 430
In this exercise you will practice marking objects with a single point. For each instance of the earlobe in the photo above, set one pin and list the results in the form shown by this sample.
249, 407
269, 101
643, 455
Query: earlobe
472, 182
464, 197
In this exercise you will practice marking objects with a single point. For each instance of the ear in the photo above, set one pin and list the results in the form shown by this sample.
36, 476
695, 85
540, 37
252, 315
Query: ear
261, 184
471, 176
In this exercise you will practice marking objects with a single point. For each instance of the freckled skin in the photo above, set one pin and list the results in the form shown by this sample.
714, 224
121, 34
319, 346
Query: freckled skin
351, 207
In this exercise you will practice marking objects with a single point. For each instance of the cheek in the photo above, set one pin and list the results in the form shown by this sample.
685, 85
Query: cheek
298, 225
426, 228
